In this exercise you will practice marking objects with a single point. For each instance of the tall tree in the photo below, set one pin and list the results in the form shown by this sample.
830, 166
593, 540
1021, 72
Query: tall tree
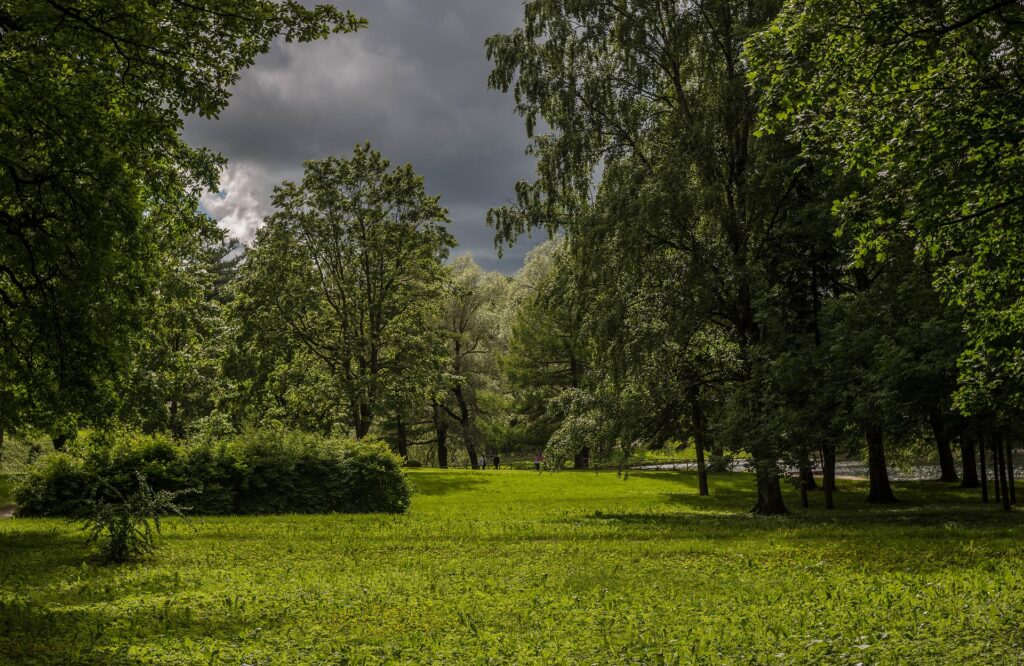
94, 175
655, 92
350, 267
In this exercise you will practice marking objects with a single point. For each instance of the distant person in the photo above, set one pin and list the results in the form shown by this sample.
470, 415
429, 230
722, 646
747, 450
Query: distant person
536, 462
497, 461
483, 462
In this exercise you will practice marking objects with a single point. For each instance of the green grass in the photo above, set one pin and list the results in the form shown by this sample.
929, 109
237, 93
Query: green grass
520, 568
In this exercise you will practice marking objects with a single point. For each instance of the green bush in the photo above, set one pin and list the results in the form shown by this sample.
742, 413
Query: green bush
258, 472
126, 528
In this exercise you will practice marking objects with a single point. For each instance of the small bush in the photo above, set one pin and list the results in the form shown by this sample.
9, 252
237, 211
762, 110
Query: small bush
126, 529
258, 472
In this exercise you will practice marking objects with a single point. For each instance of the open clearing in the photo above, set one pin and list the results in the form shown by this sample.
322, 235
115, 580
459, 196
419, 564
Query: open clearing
520, 567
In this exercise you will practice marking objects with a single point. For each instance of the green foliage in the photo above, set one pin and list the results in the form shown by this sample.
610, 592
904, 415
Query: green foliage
527, 568
918, 102
346, 276
126, 528
258, 472
95, 180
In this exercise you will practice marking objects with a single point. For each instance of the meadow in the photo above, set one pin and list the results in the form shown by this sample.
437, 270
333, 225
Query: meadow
537, 568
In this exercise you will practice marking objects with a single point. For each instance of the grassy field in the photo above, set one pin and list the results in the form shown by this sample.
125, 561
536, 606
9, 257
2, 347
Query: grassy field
519, 567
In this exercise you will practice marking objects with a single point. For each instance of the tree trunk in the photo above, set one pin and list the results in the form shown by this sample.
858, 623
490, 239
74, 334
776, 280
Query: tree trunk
878, 472
441, 430
402, 438
173, 422
984, 471
997, 475
999, 451
970, 464
364, 419
947, 468
1008, 451
807, 478
442, 448
697, 414
769, 494
828, 474
582, 459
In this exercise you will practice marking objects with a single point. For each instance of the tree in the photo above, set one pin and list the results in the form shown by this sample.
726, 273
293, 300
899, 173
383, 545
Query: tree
349, 269
546, 352
94, 176
921, 102
472, 324
655, 93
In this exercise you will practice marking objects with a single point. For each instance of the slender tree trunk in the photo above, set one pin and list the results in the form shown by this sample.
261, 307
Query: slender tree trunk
441, 429
997, 474
442, 448
984, 471
998, 450
970, 464
582, 459
1, 445
807, 478
878, 472
947, 468
402, 438
697, 414
364, 419
828, 474
173, 422
1008, 451
769, 492
465, 420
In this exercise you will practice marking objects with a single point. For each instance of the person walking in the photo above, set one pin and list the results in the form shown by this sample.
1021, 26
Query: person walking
497, 461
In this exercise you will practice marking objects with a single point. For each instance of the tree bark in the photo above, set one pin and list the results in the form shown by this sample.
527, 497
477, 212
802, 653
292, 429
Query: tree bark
970, 464
807, 478
465, 420
769, 494
402, 438
1008, 451
441, 430
878, 472
363, 420
697, 414
998, 450
997, 475
947, 468
828, 474
984, 471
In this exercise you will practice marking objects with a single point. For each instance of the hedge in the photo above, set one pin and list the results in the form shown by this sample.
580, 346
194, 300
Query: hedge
259, 472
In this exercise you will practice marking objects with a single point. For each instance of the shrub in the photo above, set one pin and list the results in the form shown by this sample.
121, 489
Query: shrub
57, 485
126, 528
258, 472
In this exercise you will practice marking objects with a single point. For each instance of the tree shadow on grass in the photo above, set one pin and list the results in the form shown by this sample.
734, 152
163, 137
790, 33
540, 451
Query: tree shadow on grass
444, 484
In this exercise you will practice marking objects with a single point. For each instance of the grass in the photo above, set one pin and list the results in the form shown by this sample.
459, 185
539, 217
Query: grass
521, 568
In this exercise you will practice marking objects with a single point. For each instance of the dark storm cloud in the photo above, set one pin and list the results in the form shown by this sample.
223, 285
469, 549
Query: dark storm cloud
414, 83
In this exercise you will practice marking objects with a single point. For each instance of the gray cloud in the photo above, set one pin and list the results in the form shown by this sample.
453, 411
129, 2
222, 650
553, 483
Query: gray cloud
414, 83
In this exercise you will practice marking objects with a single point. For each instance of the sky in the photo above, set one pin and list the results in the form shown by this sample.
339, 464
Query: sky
413, 83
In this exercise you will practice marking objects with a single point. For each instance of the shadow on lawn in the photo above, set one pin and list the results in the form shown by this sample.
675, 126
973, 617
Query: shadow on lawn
428, 483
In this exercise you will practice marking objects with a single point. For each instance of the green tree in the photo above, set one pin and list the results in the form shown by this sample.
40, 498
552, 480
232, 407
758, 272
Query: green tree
472, 323
921, 102
349, 269
92, 169
655, 93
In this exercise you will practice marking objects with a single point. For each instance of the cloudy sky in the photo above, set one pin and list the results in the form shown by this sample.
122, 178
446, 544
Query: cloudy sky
414, 83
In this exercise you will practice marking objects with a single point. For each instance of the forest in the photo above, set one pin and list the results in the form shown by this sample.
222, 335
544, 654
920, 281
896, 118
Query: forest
769, 239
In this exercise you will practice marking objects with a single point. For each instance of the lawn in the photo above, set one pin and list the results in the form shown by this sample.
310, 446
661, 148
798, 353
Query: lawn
520, 567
